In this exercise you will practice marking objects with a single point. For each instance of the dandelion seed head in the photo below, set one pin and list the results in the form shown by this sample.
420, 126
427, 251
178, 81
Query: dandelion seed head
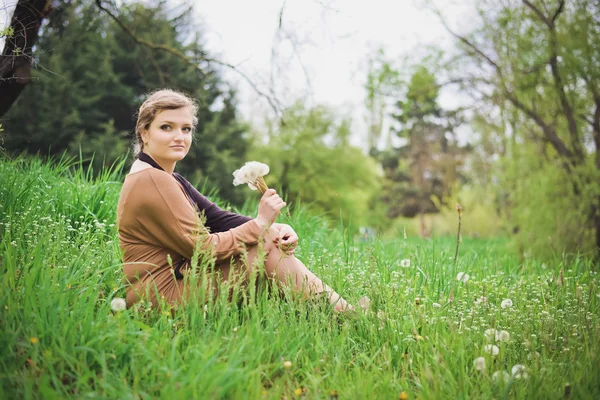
479, 363
249, 173
118, 304
503, 336
405, 263
500, 376
492, 349
491, 334
506, 303
462, 277
519, 371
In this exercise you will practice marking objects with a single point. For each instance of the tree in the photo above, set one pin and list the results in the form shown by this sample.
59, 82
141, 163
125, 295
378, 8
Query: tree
99, 75
425, 167
19, 38
312, 161
539, 64
383, 81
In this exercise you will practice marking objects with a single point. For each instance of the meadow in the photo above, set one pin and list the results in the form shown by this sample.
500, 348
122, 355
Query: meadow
489, 325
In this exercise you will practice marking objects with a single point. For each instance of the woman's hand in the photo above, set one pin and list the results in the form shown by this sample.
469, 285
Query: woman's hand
286, 239
269, 208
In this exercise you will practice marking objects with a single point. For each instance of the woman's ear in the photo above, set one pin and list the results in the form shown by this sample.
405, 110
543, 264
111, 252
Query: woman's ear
144, 136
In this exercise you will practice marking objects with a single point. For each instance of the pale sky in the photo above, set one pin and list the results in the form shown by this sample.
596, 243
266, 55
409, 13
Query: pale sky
335, 39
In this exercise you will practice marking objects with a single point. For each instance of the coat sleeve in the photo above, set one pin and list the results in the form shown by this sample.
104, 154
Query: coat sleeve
217, 219
168, 216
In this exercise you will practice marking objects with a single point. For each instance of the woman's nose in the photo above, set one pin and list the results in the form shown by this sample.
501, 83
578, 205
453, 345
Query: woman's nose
179, 134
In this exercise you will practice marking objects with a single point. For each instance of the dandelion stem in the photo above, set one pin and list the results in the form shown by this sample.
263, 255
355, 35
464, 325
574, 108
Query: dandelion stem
459, 211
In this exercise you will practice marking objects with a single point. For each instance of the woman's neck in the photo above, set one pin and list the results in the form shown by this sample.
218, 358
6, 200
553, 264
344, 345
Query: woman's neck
165, 165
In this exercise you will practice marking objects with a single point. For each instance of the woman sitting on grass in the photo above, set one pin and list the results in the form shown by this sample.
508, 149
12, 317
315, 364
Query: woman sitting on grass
159, 219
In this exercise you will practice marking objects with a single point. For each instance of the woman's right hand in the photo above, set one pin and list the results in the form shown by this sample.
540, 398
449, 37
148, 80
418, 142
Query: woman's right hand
269, 208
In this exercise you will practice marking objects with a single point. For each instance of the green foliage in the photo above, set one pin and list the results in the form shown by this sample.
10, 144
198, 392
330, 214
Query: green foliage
60, 268
312, 161
95, 76
383, 83
549, 219
534, 66
425, 165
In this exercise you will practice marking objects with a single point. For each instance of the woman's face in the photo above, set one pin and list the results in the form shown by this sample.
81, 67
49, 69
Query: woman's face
169, 137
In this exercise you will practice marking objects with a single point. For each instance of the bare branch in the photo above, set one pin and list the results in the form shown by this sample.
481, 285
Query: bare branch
558, 82
548, 130
472, 47
540, 14
561, 6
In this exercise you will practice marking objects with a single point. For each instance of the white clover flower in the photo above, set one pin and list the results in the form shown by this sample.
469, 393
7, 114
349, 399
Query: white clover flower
506, 303
462, 277
479, 363
491, 334
436, 305
251, 174
501, 375
405, 263
118, 304
519, 371
492, 349
503, 336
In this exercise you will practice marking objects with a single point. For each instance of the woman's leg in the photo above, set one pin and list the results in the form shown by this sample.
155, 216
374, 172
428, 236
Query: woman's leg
288, 270
281, 268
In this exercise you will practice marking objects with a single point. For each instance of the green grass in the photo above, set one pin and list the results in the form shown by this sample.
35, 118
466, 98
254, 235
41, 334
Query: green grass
60, 268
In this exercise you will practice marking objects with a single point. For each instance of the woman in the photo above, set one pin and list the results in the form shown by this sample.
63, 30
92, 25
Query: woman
159, 218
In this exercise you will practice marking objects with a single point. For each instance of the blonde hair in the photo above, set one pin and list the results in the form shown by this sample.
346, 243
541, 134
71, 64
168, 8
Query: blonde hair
157, 101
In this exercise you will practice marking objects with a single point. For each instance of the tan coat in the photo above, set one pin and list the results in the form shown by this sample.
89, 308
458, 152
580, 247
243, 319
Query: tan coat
156, 220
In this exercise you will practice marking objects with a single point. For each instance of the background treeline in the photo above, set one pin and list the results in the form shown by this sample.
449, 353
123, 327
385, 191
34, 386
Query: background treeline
526, 162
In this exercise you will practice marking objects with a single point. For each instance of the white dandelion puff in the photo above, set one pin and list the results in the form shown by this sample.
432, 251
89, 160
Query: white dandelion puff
462, 277
491, 334
436, 305
479, 363
492, 349
500, 375
118, 304
503, 336
506, 303
405, 263
519, 371
252, 174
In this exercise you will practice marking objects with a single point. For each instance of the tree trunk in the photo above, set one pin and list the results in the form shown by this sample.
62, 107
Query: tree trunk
16, 59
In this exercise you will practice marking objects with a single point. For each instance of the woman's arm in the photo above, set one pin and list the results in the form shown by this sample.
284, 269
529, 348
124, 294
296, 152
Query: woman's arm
167, 215
217, 219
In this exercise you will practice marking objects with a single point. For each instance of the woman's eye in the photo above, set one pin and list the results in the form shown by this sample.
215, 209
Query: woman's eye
165, 127
187, 129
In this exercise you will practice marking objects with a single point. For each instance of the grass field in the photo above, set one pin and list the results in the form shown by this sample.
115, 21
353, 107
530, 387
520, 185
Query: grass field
421, 338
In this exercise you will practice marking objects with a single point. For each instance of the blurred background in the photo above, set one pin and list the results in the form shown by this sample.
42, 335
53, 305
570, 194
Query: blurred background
383, 115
